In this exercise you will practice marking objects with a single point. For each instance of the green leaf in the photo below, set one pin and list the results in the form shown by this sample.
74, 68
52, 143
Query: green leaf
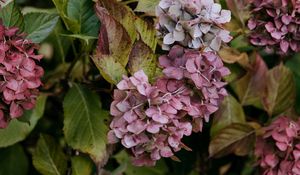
122, 14
294, 64
11, 16
61, 6
236, 138
82, 12
114, 40
84, 126
13, 161
142, 58
147, 33
60, 44
230, 111
81, 165
147, 6
17, 130
38, 26
85, 38
250, 88
111, 70
48, 157
280, 91
127, 168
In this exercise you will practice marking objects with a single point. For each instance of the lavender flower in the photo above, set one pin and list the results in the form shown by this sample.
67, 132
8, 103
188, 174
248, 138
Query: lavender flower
19, 74
192, 23
275, 25
278, 149
204, 71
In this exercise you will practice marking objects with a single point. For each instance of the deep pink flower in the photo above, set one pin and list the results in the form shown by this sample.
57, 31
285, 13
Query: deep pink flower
278, 149
20, 76
275, 25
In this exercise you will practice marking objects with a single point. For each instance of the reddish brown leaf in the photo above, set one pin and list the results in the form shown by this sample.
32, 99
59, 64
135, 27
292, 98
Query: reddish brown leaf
250, 88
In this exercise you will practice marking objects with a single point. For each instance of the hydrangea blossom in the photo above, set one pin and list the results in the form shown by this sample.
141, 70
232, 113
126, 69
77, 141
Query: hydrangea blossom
148, 119
278, 149
275, 25
192, 23
19, 74
204, 71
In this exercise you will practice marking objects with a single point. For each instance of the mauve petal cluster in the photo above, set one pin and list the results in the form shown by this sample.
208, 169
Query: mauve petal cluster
278, 149
203, 71
149, 119
275, 25
192, 23
19, 74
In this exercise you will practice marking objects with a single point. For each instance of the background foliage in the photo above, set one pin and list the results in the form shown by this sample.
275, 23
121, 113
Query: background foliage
66, 132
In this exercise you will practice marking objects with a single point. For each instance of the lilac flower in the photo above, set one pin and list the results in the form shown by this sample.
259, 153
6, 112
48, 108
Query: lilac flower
275, 25
149, 119
19, 74
204, 71
278, 149
192, 23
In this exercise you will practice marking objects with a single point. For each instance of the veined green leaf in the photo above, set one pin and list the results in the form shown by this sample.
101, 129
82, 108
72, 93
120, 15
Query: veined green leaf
81, 165
38, 26
84, 126
82, 12
11, 16
48, 157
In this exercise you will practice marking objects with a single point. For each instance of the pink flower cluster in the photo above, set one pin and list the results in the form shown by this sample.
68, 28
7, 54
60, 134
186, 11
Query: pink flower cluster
204, 71
278, 150
150, 120
19, 74
192, 23
275, 25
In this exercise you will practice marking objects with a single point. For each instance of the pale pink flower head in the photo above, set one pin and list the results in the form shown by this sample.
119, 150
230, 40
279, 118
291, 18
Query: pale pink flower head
192, 23
203, 71
275, 25
20, 74
149, 119
278, 149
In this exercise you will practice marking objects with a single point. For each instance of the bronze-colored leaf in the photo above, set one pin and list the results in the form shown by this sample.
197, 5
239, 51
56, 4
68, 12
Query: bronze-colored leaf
113, 37
280, 90
236, 138
250, 88
142, 58
231, 55
230, 112
122, 14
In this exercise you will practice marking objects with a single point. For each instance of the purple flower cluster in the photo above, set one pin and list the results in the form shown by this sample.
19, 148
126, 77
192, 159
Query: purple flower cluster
275, 25
19, 74
204, 71
278, 149
150, 120
192, 23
